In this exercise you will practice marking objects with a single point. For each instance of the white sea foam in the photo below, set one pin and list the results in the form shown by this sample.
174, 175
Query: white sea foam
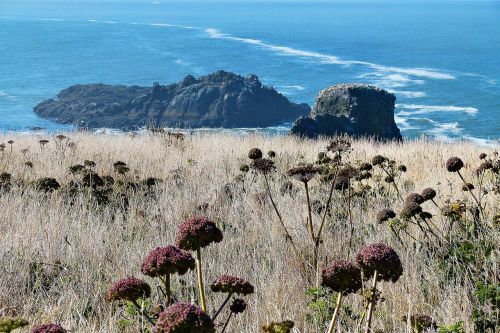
6, 95
403, 123
326, 58
409, 94
168, 25
424, 109
289, 89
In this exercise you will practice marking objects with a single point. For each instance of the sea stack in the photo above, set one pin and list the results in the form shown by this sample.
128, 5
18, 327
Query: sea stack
358, 110
220, 99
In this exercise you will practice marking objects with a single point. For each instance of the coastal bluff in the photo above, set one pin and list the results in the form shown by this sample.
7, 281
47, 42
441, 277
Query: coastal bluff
354, 109
220, 99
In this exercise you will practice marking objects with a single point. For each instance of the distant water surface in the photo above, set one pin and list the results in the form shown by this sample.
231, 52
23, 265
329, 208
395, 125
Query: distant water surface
440, 58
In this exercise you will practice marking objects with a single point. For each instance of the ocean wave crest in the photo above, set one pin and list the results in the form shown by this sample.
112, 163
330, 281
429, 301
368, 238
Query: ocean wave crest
423, 109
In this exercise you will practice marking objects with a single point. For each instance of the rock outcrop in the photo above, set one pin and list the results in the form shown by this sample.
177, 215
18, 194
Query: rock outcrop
353, 109
221, 99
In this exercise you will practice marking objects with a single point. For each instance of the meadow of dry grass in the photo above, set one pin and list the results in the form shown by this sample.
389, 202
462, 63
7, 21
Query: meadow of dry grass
60, 251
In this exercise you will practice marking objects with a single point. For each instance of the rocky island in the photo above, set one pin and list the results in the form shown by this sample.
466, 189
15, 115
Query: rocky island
352, 109
220, 99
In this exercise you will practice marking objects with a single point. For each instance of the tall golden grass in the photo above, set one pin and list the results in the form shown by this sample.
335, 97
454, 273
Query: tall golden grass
59, 257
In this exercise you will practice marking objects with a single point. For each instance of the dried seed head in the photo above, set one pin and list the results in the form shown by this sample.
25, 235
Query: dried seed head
263, 165
271, 154
385, 215
402, 168
389, 179
48, 328
232, 285
167, 260
47, 184
482, 156
365, 166
89, 164
454, 164
428, 193
238, 306
197, 232
8, 324
421, 323
409, 210
378, 159
304, 172
244, 168
467, 187
381, 258
342, 276
77, 168
414, 197
255, 153
425, 215
129, 289
184, 318
339, 146
486, 165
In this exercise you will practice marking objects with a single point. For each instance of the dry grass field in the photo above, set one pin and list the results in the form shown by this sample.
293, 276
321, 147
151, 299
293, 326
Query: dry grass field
60, 251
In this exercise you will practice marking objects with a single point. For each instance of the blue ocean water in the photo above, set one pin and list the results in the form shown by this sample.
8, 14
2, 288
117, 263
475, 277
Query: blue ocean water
440, 58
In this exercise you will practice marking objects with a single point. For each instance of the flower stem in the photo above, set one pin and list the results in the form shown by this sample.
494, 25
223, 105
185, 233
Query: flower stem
340, 298
144, 313
371, 304
200, 279
227, 322
167, 289
309, 212
288, 237
222, 306
311, 228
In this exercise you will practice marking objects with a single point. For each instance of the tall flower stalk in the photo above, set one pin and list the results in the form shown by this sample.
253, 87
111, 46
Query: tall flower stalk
194, 234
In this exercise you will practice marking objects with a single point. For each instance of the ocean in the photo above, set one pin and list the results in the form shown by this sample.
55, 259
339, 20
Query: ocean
440, 58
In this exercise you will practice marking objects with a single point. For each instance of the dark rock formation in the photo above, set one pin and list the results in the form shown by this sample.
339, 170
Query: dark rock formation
220, 99
353, 109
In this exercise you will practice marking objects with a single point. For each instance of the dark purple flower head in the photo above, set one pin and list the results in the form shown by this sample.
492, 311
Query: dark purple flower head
381, 258
167, 260
129, 289
48, 328
238, 305
482, 156
384, 215
415, 197
454, 164
197, 232
428, 193
232, 284
255, 153
342, 276
184, 318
